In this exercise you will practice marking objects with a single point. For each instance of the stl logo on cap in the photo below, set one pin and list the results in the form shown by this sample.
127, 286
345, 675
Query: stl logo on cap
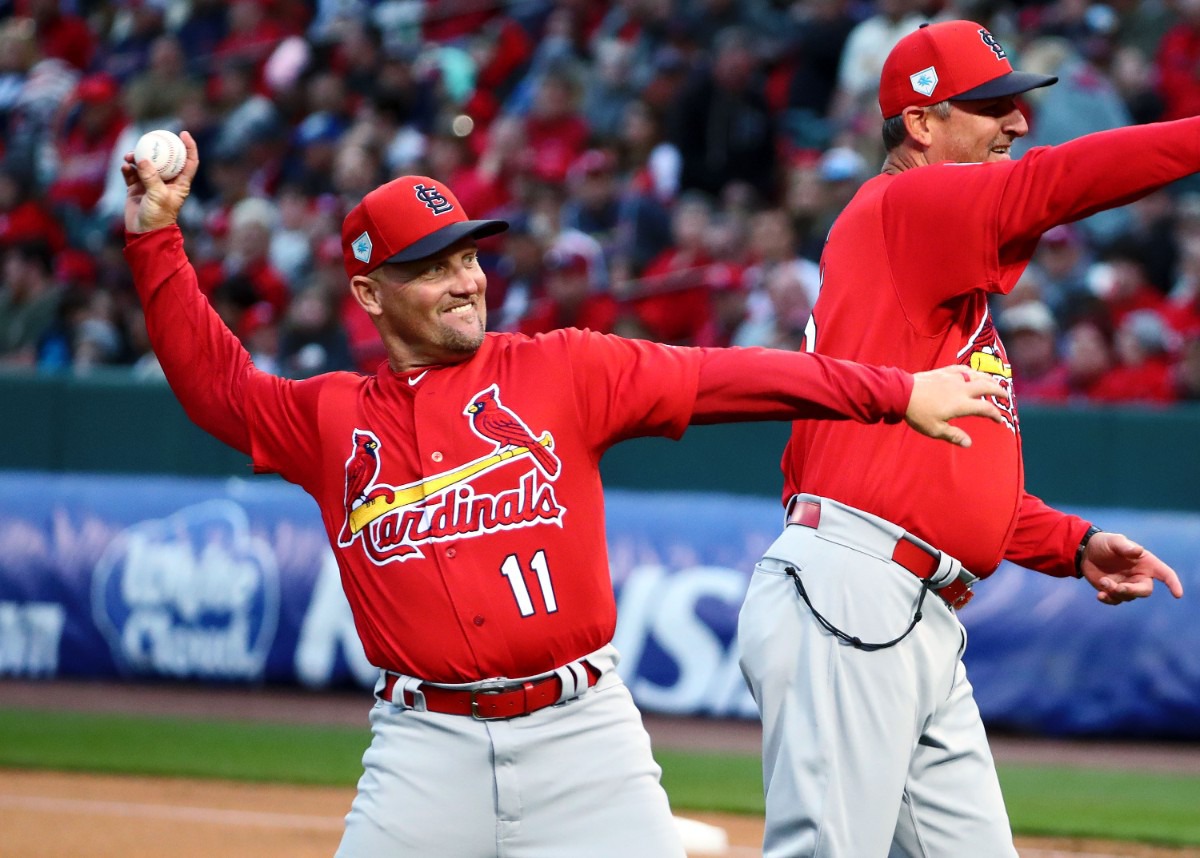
990, 41
362, 248
433, 199
925, 81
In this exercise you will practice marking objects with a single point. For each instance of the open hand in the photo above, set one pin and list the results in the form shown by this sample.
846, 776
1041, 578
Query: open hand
1121, 570
940, 395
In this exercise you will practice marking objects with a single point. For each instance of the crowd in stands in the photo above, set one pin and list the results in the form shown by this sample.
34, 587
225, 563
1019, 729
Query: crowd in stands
669, 168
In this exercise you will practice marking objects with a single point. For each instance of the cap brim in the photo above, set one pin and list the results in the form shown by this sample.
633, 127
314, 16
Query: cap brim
446, 236
1013, 83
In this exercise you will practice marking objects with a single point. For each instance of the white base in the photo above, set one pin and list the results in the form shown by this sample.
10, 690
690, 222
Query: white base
700, 838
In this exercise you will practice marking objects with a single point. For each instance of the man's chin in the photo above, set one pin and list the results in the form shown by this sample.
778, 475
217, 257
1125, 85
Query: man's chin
463, 341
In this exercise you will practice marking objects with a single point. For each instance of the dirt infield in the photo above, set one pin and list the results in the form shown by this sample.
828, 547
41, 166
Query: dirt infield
55, 815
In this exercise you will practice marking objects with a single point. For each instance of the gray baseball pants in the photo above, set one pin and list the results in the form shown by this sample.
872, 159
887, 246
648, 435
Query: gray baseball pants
576, 779
865, 754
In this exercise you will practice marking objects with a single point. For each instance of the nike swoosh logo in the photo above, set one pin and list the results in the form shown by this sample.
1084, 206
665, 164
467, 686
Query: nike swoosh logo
412, 382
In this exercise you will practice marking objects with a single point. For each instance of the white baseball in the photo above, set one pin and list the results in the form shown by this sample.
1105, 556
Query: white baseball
164, 149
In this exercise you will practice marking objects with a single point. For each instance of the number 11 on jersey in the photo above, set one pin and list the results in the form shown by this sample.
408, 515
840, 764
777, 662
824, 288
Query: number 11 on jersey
511, 569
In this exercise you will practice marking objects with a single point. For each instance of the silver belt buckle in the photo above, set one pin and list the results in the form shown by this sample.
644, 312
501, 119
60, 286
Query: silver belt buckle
491, 687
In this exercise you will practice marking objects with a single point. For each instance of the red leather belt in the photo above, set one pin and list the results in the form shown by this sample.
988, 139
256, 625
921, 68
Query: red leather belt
907, 554
507, 700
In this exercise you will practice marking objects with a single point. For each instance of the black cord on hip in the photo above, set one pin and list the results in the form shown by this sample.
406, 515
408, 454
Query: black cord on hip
853, 640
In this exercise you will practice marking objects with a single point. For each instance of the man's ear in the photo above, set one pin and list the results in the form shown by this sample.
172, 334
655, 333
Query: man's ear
365, 291
916, 123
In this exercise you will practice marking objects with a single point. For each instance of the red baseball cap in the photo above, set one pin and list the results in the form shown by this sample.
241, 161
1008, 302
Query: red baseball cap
958, 60
406, 219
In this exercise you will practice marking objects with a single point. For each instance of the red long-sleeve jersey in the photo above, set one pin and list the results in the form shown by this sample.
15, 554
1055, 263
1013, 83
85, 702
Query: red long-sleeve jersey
907, 270
464, 501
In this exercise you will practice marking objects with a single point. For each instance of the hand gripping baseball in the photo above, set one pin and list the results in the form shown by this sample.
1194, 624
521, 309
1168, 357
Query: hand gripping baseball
1121, 570
150, 202
940, 395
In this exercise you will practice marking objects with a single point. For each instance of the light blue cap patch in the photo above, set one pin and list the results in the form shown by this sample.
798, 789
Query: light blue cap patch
362, 248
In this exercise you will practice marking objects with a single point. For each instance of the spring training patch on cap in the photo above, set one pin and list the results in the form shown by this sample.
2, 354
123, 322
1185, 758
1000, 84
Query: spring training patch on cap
925, 81
362, 248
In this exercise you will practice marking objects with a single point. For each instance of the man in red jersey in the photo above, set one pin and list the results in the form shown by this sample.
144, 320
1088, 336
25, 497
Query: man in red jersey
459, 487
872, 739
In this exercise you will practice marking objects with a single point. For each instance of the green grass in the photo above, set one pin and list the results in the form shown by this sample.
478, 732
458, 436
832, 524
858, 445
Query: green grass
235, 750
1044, 800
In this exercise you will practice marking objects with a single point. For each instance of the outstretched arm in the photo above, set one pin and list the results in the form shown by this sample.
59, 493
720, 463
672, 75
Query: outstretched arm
1121, 570
769, 384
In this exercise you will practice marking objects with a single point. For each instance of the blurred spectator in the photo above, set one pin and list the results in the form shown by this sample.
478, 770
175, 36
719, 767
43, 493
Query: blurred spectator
670, 299
35, 109
728, 310
1178, 63
609, 89
448, 20
862, 59
29, 299
788, 287
312, 340
704, 20
648, 169
315, 145
722, 123
544, 202
1133, 75
502, 51
597, 129
594, 206
842, 171
1083, 101
24, 218
1156, 223
1031, 341
84, 146
644, 25
1141, 25
773, 243
816, 39
206, 26
1187, 371
253, 33
1120, 281
290, 252
570, 299
651, 163
243, 276
18, 52
137, 25
664, 78
487, 183
1087, 359
517, 279
60, 34
1062, 261
165, 86
1143, 345
554, 130
97, 334
258, 329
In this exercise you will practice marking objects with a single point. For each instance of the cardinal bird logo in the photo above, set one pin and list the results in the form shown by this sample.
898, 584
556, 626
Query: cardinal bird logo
493, 422
361, 468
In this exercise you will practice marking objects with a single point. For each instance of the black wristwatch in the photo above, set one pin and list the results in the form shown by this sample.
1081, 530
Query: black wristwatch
1087, 537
